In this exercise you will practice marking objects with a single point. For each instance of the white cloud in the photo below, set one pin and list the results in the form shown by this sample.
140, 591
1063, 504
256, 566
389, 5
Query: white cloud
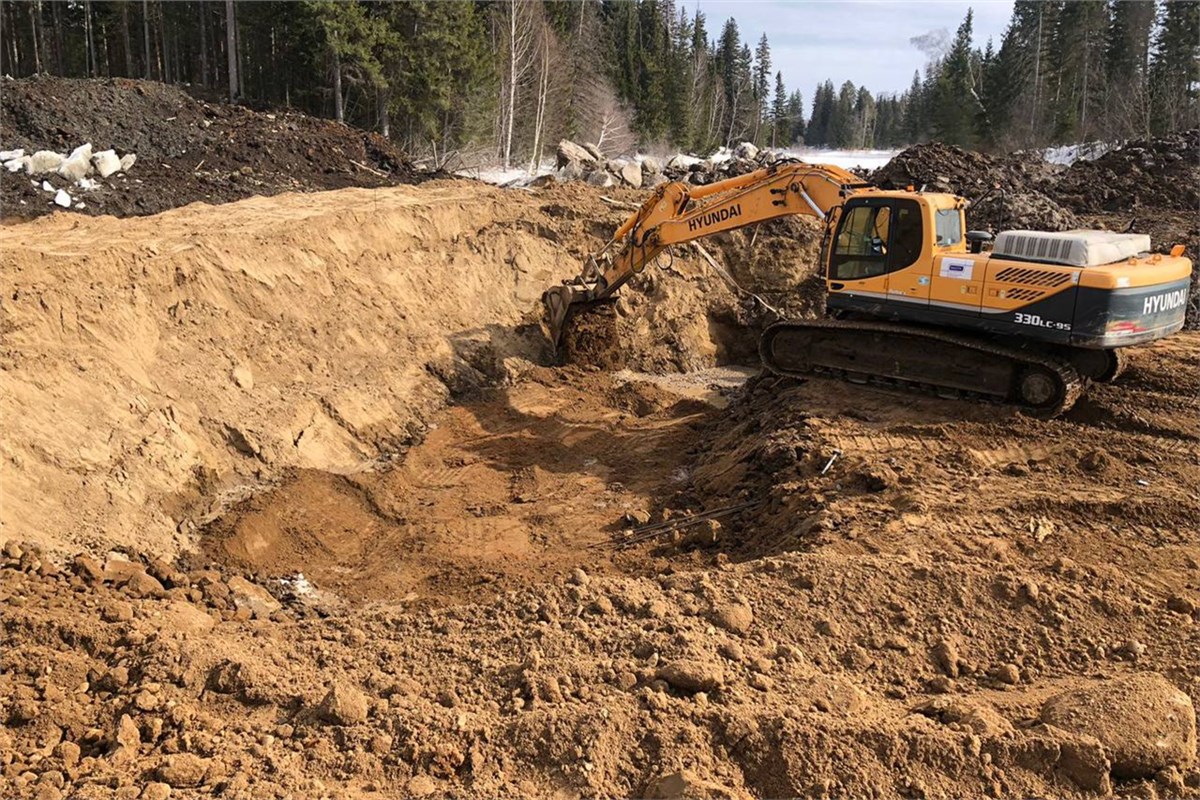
865, 42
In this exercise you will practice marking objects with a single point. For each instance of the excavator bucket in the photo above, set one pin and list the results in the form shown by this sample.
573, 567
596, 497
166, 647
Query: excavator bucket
558, 301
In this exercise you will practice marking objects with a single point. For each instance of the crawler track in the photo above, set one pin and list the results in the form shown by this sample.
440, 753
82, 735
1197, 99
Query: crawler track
945, 364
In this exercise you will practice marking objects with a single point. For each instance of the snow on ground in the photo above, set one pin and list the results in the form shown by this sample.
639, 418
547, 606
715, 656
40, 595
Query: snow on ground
846, 159
513, 176
1068, 154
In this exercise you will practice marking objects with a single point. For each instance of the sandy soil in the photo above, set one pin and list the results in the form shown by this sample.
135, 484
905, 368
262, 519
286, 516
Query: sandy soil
296, 504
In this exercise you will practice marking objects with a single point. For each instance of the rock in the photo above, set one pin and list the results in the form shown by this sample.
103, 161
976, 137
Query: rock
127, 161
156, 791
420, 786
183, 770
687, 785
62, 198
343, 705
44, 161
116, 611
735, 618
141, 584
253, 597
745, 150
651, 166
594, 151
631, 173
601, 179
78, 164
691, 675
945, 655
1083, 761
568, 152
87, 568
1181, 605
579, 577
1143, 721
185, 619
243, 377
106, 162
68, 753
704, 533
635, 517
9, 155
17, 164
571, 172
1007, 673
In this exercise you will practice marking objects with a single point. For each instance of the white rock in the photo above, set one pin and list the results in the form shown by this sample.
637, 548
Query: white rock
43, 161
106, 162
127, 161
17, 164
83, 151
9, 155
87, 184
746, 150
62, 198
46, 187
76, 166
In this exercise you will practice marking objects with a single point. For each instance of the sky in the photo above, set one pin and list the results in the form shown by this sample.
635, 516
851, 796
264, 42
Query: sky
864, 42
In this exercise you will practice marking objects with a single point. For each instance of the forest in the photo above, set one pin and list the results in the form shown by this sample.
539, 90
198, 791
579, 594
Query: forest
507, 79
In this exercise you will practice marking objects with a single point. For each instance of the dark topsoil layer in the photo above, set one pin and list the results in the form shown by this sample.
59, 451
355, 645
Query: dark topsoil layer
187, 150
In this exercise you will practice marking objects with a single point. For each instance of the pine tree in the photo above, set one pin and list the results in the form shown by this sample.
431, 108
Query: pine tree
762, 85
955, 100
779, 123
915, 123
1078, 68
795, 118
818, 133
1175, 68
1127, 69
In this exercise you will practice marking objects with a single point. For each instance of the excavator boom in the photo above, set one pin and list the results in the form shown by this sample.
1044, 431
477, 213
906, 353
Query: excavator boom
677, 213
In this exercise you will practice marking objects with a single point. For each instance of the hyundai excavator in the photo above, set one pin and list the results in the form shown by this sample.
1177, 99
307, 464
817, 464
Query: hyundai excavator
914, 299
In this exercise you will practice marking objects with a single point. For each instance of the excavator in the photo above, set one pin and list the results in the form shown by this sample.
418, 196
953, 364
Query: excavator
913, 298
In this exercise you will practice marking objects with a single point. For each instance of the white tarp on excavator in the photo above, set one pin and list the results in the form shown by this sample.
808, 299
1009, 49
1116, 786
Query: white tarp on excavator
1079, 248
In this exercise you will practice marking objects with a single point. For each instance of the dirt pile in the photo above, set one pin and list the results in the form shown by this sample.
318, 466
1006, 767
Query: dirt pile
188, 150
1163, 172
1001, 190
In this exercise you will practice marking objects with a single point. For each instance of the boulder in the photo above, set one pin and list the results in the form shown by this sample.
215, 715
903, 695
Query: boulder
735, 617
651, 166
9, 155
746, 150
571, 172
44, 161
62, 199
78, 164
127, 161
106, 163
183, 770
631, 173
594, 150
568, 152
601, 179
1143, 721
17, 164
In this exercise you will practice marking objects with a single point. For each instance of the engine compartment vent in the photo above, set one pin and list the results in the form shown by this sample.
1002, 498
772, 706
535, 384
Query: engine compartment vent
1032, 277
1081, 248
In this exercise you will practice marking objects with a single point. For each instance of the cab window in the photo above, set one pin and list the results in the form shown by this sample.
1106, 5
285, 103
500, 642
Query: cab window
861, 248
949, 227
877, 238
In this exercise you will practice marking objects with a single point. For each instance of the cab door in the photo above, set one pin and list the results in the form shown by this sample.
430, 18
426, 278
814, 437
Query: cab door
908, 267
858, 263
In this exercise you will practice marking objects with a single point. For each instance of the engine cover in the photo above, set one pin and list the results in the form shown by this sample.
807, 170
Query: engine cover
1079, 248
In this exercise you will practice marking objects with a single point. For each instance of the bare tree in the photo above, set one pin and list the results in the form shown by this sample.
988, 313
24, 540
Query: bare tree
520, 40
545, 40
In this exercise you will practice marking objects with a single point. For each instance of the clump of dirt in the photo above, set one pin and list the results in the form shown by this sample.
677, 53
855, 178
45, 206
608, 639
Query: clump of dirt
1162, 172
1003, 191
187, 150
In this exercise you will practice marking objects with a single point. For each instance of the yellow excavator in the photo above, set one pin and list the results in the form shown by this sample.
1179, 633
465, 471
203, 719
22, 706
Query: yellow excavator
914, 299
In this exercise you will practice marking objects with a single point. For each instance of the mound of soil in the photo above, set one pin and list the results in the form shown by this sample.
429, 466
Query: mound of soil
1163, 172
187, 150
1002, 191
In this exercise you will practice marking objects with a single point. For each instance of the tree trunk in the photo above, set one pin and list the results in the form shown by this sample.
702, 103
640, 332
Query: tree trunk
231, 50
34, 12
512, 81
58, 37
127, 40
338, 111
203, 47
164, 54
540, 117
381, 98
93, 67
146, 39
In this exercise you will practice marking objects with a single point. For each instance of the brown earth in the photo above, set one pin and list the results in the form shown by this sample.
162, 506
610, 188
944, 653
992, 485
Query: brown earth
347, 531
187, 150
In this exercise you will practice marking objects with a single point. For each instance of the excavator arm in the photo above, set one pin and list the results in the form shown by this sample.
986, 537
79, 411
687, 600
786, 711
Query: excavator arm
676, 213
